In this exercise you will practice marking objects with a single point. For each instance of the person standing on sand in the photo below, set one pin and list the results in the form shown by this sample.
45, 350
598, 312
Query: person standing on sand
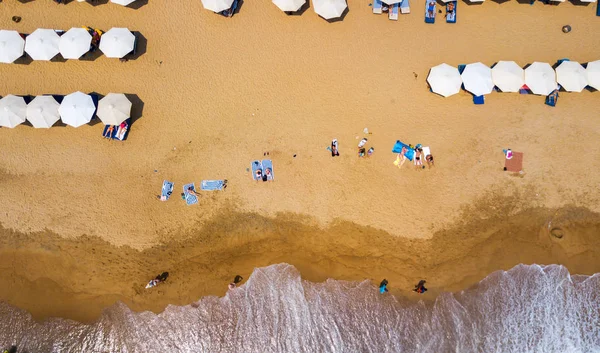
420, 287
383, 286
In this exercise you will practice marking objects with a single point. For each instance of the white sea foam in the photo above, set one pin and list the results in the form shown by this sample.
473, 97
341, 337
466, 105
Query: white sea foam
527, 309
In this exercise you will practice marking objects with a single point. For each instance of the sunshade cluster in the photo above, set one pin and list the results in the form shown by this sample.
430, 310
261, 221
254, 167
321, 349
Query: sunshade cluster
75, 109
540, 78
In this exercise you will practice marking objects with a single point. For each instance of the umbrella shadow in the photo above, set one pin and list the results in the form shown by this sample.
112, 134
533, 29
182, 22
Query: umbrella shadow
24, 1
580, 3
96, 97
470, 3
500, 1
98, 2
137, 4
91, 55
137, 106
341, 18
24, 60
141, 44
300, 11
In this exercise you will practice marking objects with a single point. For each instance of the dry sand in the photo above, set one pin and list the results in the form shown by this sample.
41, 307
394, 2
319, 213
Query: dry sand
215, 93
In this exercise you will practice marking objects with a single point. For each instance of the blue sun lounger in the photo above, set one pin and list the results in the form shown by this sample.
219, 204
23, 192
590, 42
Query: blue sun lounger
451, 11
598, 9
393, 12
167, 190
430, 8
268, 164
190, 199
256, 165
118, 133
377, 7
212, 185
405, 7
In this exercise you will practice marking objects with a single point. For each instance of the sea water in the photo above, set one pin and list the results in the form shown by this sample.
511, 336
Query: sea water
527, 309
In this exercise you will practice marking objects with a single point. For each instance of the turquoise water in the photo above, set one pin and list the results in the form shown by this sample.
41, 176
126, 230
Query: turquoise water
530, 308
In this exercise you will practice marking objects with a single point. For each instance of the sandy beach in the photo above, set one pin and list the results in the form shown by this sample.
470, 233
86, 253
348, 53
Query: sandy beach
82, 225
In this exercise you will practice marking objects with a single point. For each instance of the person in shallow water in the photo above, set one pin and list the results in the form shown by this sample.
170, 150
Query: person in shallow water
420, 287
236, 280
383, 286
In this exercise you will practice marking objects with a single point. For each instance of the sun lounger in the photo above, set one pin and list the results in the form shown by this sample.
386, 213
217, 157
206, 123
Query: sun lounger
552, 98
122, 131
190, 199
393, 14
268, 164
167, 190
451, 11
405, 7
598, 9
212, 185
426, 152
430, 9
256, 165
377, 6
478, 100
515, 164
230, 11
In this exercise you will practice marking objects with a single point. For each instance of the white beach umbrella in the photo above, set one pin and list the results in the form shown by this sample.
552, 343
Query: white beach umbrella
77, 109
392, 2
329, 9
11, 46
593, 74
42, 112
289, 5
540, 78
217, 5
571, 75
508, 76
74, 43
117, 42
122, 2
42, 44
13, 111
444, 80
477, 78
114, 109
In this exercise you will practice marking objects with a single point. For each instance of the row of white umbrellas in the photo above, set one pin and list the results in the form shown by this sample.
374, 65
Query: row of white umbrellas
76, 109
45, 44
508, 76
328, 9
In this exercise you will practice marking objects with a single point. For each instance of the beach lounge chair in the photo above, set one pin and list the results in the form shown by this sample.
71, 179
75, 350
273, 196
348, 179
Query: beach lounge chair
405, 7
598, 9
212, 185
256, 165
515, 164
230, 11
430, 9
377, 6
190, 199
167, 190
268, 164
393, 14
122, 131
524, 90
552, 98
451, 11
478, 100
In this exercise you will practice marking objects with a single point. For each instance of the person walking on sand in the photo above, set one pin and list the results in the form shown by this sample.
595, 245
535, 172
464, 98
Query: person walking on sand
383, 286
420, 287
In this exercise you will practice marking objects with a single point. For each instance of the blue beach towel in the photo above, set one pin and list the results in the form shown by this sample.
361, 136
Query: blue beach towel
167, 190
256, 165
190, 199
266, 163
410, 153
451, 15
212, 185
430, 9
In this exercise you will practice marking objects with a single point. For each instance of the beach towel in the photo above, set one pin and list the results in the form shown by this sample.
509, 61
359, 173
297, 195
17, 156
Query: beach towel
256, 165
515, 164
405, 7
377, 5
190, 199
426, 152
430, 9
167, 190
451, 11
409, 154
268, 164
212, 185
393, 14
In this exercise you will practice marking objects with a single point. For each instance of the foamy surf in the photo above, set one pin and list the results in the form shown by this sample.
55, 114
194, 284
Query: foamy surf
527, 309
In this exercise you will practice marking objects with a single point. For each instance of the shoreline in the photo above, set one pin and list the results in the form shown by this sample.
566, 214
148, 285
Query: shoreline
77, 278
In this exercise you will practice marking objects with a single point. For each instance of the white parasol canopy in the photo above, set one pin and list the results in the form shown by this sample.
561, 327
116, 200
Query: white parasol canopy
289, 5
13, 111
77, 109
11, 46
392, 2
477, 78
593, 74
42, 44
114, 109
74, 43
571, 76
217, 5
444, 80
122, 2
117, 42
42, 112
508, 76
329, 9
540, 78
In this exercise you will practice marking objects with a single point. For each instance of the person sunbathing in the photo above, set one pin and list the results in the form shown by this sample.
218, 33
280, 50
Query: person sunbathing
268, 175
109, 131
191, 191
258, 174
418, 155
431, 9
429, 159
450, 8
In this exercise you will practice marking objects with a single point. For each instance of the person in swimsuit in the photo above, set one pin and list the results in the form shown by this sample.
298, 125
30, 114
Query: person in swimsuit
258, 174
429, 159
191, 191
431, 9
418, 156
268, 175
109, 131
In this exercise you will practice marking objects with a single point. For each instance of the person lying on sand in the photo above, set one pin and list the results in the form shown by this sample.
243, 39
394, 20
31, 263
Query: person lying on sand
429, 159
191, 190
267, 175
109, 131
418, 158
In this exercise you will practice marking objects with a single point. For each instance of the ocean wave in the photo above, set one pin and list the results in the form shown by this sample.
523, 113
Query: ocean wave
529, 308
